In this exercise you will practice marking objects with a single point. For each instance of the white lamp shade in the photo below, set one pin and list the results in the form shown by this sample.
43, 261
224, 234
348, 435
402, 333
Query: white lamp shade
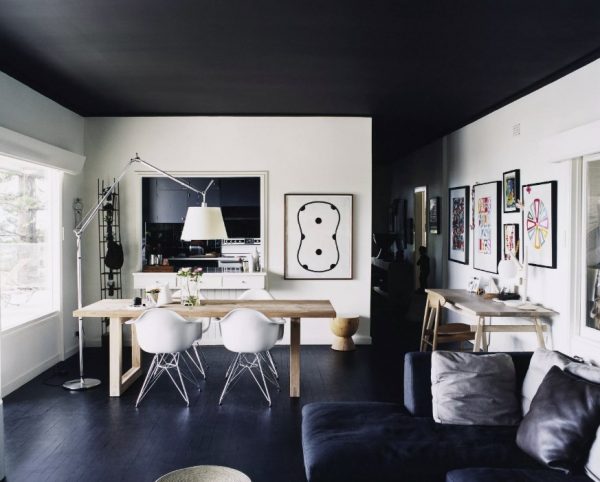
203, 223
507, 269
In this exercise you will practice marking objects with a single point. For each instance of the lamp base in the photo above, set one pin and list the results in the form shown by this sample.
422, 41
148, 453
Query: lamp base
81, 384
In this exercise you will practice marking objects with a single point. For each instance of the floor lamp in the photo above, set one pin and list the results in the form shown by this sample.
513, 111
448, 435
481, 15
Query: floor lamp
200, 223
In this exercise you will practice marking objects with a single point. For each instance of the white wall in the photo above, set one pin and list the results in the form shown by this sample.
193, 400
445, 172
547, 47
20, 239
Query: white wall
483, 150
301, 154
29, 350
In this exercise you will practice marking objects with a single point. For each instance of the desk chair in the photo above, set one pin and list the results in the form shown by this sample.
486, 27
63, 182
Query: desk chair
248, 333
433, 333
167, 335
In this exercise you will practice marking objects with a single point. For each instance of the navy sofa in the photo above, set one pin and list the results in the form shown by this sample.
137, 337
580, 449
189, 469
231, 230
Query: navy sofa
371, 441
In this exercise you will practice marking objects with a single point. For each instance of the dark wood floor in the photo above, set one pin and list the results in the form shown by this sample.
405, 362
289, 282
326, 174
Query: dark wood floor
55, 435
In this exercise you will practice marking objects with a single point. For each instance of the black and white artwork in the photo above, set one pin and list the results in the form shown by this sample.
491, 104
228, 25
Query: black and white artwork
318, 236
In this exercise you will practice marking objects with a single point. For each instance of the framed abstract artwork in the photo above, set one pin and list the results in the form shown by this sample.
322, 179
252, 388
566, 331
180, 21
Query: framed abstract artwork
539, 223
511, 240
458, 222
510, 190
434, 215
486, 232
318, 236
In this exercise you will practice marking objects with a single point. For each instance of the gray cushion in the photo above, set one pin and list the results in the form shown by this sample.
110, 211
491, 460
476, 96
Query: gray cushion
473, 389
541, 362
511, 475
592, 374
562, 422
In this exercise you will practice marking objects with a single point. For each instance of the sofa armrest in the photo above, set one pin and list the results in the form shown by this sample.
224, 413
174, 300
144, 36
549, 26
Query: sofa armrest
417, 384
417, 380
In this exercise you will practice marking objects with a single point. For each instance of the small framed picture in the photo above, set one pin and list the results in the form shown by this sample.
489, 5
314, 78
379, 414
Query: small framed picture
486, 234
511, 240
458, 222
511, 181
434, 215
473, 284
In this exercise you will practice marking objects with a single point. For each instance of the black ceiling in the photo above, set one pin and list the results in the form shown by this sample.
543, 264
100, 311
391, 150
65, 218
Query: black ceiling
420, 68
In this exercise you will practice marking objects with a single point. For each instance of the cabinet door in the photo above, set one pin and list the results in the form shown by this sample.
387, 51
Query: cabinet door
168, 201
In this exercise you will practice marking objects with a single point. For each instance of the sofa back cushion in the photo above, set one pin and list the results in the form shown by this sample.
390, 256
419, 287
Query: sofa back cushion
541, 362
417, 380
562, 421
469, 389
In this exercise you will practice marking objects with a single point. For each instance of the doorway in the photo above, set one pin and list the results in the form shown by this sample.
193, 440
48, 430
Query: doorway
420, 226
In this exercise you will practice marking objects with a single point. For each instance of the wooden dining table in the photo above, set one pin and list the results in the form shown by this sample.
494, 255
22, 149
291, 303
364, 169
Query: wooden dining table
119, 311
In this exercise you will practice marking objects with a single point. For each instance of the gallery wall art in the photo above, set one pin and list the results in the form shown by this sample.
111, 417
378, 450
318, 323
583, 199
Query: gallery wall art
510, 190
458, 202
539, 223
486, 231
318, 236
434, 215
511, 240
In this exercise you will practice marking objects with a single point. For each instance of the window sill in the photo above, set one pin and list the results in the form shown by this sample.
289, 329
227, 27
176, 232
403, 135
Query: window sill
35, 321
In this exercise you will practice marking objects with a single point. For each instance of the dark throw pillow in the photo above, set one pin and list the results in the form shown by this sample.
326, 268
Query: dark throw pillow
562, 421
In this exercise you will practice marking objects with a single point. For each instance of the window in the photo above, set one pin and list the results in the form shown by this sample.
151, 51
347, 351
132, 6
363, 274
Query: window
29, 241
591, 247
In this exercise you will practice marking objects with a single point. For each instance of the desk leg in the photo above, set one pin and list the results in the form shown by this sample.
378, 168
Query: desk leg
116, 356
478, 335
484, 337
539, 331
295, 357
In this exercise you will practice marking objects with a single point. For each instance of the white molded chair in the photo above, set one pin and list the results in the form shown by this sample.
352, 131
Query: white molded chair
198, 359
167, 335
248, 333
261, 294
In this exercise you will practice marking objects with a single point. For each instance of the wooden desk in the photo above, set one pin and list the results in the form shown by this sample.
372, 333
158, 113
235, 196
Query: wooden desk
478, 308
118, 311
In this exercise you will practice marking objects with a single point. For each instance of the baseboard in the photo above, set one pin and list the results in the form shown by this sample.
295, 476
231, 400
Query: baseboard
29, 375
69, 352
316, 340
93, 342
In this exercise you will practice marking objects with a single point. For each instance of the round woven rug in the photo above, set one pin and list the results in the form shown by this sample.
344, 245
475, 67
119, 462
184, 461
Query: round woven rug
205, 473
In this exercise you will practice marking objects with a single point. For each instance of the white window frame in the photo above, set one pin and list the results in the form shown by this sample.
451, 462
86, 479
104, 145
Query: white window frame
581, 331
55, 178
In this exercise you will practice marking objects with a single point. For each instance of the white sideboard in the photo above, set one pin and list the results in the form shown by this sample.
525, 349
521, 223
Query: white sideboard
224, 286
209, 281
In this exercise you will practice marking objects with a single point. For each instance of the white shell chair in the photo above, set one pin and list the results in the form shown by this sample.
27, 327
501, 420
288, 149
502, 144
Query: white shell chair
200, 361
167, 335
248, 333
261, 294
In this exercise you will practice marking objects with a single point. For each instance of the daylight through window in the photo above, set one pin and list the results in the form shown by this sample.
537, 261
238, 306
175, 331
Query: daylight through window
29, 241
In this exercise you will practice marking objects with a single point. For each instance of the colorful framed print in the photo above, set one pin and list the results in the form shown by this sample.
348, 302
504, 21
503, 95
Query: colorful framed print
318, 236
539, 223
511, 181
458, 238
511, 240
486, 232
434, 215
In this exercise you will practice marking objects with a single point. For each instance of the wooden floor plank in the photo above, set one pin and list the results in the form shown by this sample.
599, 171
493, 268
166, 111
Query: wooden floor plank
55, 435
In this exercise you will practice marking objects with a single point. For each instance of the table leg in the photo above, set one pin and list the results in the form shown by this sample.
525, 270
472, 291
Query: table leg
478, 335
119, 381
539, 331
115, 356
484, 337
294, 357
